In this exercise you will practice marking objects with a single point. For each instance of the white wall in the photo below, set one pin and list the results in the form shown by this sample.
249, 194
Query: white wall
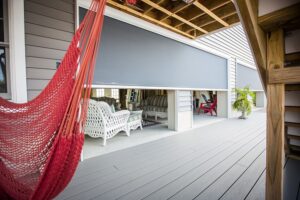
223, 104
180, 112
231, 41
171, 110
261, 99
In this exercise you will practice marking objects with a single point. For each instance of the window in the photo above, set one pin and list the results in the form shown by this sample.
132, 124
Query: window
115, 93
100, 92
4, 48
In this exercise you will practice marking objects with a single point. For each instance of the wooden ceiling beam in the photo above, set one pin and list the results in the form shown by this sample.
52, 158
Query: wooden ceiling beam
174, 15
213, 5
201, 14
195, 17
151, 8
213, 21
177, 9
222, 17
279, 18
146, 17
210, 13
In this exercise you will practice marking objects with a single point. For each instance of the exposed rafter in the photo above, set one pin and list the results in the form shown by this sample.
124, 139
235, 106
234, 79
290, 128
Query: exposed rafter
160, 8
210, 13
203, 13
151, 8
213, 21
176, 10
146, 17
190, 20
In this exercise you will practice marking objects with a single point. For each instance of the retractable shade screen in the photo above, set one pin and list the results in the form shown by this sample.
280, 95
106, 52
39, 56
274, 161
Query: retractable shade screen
131, 56
247, 76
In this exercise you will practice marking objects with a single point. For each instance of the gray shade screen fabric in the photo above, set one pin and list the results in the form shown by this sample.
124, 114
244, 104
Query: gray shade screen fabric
131, 56
247, 76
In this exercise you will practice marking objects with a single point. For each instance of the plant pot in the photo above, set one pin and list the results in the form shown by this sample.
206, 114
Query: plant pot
243, 116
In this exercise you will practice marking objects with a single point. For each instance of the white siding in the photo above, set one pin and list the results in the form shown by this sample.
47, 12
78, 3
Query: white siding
233, 42
49, 28
232, 77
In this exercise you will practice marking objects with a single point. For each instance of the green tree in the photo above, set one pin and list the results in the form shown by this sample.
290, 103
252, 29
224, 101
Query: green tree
244, 101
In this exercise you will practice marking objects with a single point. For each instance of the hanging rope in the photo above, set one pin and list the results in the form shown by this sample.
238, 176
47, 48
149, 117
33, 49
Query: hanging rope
41, 141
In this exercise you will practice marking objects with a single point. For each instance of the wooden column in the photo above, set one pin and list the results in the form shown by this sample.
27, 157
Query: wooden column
275, 119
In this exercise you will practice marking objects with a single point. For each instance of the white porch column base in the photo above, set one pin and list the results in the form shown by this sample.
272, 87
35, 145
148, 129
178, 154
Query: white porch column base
261, 99
223, 106
17, 51
180, 110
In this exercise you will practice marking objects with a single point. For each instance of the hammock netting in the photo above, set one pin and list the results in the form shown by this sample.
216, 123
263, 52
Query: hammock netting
41, 141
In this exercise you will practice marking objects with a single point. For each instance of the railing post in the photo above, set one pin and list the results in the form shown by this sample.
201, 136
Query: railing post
275, 119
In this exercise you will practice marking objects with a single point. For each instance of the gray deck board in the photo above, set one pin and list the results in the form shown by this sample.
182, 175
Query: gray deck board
134, 166
191, 190
221, 161
258, 191
244, 184
108, 187
142, 151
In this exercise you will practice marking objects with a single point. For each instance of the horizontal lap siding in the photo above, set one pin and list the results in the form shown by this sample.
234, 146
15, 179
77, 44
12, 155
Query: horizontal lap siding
233, 42
185, 101
232, 76
49, 28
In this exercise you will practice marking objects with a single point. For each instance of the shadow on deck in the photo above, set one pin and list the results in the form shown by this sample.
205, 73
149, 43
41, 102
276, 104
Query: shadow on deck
225, 160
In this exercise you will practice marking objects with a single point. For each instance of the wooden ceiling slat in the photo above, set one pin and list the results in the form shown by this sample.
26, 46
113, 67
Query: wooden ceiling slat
190, 20
177, 9
201, 14
210, 13
151, 8
146, 17
158, 7
213, 21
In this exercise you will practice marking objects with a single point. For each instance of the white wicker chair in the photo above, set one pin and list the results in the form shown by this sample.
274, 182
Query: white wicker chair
101, 122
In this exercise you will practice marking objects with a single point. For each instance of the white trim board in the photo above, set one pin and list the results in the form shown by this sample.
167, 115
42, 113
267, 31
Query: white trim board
155, 88
132, 20
17, 51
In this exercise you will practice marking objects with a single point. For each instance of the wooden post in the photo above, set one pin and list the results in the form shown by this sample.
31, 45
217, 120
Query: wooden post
275, 119
123, 93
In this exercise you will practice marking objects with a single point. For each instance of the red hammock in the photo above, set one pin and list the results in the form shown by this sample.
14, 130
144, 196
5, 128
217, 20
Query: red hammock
41, 141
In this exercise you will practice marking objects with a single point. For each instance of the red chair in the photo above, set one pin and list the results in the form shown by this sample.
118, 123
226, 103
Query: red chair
209, 107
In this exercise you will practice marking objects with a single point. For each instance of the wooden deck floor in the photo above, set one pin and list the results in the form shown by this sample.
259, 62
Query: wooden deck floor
221, 161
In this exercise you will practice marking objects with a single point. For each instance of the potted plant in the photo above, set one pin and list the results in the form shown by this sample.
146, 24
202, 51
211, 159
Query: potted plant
244, 101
